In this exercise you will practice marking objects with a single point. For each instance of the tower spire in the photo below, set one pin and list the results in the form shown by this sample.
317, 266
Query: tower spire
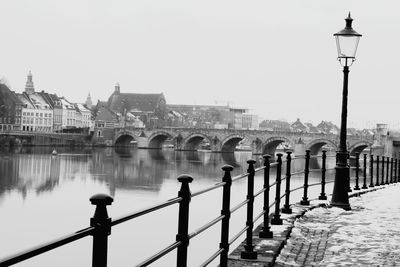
29, 87
117, 89
88, 101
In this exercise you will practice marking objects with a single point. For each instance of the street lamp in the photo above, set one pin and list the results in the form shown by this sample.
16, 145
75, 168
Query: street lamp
347, 42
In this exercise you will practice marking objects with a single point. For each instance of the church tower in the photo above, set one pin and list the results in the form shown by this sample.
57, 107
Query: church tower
88, 101
117, 91
29, 88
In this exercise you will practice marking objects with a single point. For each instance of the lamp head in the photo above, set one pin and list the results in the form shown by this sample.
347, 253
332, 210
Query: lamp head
347, 41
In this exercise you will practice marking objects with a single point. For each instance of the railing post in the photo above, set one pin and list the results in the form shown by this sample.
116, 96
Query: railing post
357, 170
365, 172
286, 207
248, 252
395, 170
183, 220
323, 172
383, 171
398, 170
305, 200
102, 224
377, 171
387, 170
349, 181
226, 212
276, 218
391, 171
266, 230
371, 171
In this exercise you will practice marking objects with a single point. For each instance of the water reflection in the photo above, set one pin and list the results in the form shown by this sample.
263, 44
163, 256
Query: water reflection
230, 159
37, 170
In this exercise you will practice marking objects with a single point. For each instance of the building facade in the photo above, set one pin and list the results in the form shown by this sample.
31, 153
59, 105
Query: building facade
10, 110
150, 109
37, 116
250, 121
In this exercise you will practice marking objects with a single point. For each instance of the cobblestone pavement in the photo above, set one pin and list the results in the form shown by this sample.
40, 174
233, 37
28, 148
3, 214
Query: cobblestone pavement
368, 235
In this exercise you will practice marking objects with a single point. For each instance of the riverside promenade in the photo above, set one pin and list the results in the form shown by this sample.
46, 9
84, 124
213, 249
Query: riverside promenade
319, 235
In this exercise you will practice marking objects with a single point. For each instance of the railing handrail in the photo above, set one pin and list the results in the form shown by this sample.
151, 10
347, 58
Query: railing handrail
101, 224
146, 211
30, 253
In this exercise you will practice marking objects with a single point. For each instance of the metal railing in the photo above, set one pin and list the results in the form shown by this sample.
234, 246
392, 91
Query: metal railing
101, 224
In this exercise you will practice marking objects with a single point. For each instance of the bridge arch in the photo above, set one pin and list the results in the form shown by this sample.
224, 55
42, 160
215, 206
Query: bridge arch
230, 142
157, 139
193, 141
316, 145
124, 139
358, 147
270, 145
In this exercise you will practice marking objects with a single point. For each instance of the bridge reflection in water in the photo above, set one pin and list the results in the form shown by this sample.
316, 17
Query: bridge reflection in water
39, 191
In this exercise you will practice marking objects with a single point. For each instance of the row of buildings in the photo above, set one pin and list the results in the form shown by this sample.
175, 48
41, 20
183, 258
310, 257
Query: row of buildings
39, 111
324, 127
215, 117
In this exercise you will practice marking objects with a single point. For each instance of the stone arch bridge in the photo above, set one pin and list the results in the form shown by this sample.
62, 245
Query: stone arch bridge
261, 142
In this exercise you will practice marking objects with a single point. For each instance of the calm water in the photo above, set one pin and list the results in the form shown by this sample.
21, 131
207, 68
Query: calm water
43, 197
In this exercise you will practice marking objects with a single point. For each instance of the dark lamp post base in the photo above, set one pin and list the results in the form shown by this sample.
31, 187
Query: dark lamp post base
340, 196
341, 205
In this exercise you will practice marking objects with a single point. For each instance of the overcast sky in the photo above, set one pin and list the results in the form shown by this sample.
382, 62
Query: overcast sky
278, 58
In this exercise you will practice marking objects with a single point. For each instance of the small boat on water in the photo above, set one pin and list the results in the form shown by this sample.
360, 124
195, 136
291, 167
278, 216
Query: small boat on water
54, 152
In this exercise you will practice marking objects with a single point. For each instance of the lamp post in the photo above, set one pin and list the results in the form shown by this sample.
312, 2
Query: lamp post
347, 42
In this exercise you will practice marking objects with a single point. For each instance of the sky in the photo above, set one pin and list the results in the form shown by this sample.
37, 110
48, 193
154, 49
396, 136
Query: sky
277, 58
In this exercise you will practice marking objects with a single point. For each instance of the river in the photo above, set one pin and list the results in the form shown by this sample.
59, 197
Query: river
43, 197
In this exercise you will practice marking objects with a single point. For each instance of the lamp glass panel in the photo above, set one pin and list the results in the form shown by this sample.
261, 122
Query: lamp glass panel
347, 45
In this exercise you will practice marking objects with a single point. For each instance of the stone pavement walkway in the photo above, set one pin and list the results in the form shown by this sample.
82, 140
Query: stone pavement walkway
368, 235
268, 249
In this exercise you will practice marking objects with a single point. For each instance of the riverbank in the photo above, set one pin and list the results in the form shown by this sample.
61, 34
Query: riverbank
307, 236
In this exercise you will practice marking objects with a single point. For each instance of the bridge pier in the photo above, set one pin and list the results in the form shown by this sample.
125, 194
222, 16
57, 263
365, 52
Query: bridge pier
142, 142
300, 148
